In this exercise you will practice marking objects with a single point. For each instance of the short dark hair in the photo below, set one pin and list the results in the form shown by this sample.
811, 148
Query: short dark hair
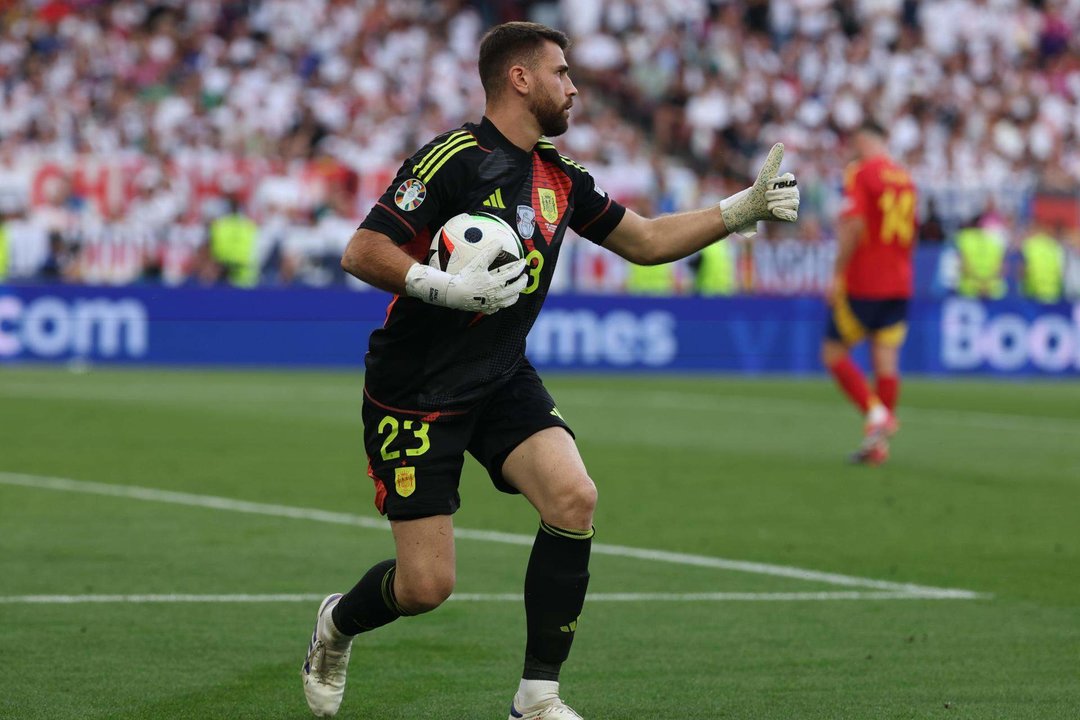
871, 126
509, 44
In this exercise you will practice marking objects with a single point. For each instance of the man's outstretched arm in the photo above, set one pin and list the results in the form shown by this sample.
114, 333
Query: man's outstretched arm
653, 241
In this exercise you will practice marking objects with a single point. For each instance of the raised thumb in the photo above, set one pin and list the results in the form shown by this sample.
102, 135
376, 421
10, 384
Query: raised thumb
771, 167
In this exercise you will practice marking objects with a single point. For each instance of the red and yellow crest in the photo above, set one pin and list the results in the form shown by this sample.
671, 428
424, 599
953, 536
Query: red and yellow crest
405, 481
549, 205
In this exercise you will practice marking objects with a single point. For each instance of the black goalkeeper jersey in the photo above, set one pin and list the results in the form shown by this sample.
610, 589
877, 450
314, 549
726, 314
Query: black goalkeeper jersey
432, 359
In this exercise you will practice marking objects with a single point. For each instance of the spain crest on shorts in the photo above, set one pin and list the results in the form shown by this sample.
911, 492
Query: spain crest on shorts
405, 481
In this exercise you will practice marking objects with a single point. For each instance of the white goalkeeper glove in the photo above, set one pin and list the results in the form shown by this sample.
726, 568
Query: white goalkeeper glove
769, 198
475, 288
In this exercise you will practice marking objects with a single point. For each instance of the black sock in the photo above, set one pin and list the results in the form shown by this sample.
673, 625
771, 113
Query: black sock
555, 585
371, 603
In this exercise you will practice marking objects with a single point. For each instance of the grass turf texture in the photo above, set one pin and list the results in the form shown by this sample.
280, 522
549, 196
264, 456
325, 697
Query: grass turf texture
981, 493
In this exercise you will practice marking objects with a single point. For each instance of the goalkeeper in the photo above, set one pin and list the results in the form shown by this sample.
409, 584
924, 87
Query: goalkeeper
447, 374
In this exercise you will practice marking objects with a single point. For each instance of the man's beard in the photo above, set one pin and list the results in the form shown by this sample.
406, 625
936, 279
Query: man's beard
550, 116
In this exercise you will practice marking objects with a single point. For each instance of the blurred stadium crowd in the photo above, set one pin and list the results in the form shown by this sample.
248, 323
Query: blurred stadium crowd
205, 141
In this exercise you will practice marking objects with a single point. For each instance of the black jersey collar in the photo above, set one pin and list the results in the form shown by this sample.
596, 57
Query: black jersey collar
491, 137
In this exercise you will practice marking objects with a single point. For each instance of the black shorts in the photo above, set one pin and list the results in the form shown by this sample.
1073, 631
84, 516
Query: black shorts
853, 319
415, 457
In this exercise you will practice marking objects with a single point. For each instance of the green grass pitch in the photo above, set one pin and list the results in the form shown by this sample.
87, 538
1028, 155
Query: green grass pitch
827, 609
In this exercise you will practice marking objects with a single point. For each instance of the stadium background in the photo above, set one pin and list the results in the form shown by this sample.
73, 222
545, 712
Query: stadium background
128, 128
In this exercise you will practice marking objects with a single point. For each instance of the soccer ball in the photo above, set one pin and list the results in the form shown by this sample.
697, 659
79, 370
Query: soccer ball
465, 236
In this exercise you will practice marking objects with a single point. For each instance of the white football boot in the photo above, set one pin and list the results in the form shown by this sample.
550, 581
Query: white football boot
880, 425
327, 660
546, 705
557, 710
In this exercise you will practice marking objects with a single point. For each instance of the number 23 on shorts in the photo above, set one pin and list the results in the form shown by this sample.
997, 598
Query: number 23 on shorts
414, 438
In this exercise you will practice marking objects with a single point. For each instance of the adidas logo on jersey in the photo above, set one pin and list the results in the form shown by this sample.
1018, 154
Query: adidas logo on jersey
495, 200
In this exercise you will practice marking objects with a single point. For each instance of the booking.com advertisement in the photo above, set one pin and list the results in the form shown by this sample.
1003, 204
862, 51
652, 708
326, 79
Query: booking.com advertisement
328, 328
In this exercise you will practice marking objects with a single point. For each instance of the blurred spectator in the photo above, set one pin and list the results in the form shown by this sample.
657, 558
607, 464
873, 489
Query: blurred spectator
66, 218
26, 243
64, 213
5, 245
62, 262
982, 98
234, 245
153, 213
1043, 266
716, 269
656, 280
335, 223
931, 229
15, 176
205, 270
1071, 282
982, 261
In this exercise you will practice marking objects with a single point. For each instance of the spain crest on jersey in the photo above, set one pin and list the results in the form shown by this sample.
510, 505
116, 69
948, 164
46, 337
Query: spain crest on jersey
549, 206
405, 481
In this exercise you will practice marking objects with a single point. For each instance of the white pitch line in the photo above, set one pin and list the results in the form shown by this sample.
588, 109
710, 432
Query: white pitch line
748, 404
480, 597
340, 518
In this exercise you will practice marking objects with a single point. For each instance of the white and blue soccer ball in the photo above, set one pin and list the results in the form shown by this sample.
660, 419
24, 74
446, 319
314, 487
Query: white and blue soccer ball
465, 236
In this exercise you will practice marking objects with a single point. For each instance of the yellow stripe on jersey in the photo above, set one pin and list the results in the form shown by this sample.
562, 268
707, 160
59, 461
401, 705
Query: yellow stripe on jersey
450, 152
545, 144
571, 163
456, 135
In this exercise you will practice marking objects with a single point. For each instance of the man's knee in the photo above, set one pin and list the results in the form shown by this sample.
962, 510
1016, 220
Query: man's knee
574, 506
832, 352
885, 358
421, 592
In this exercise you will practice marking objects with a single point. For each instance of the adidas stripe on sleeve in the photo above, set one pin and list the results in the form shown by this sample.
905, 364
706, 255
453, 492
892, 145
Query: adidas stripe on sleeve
426, 184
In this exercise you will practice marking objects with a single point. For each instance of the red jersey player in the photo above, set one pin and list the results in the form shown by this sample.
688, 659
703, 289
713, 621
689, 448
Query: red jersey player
872, 285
